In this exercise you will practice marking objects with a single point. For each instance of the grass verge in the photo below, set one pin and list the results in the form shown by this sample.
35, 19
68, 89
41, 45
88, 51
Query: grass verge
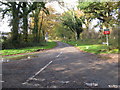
92, 48
46, 45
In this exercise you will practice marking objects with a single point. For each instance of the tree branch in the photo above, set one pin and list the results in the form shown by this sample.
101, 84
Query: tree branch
7, 4
4, 12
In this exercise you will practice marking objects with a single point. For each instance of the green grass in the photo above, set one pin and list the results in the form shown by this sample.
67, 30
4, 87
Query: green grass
46, 45
91, 47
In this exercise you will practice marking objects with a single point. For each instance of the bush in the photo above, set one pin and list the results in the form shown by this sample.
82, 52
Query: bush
7, 44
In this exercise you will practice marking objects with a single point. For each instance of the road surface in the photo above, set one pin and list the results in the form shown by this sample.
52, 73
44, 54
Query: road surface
61, 67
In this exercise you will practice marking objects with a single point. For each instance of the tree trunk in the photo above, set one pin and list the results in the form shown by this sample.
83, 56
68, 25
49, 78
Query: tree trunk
42, 32
36, 20
25, 22
77, 35
35, 30
15, 25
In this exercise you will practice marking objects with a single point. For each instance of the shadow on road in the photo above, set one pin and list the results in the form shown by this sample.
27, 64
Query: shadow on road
70, 68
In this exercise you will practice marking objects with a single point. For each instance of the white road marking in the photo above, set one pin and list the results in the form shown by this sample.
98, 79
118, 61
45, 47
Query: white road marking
2, 81
31, 78
37, 72
28, 58
33, 84
24, 59
59, 54
38, 79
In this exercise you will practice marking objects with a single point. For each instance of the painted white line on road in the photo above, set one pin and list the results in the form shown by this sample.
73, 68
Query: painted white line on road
59, 54
28, 58
43, 68
38, 72
31, 78
2, 81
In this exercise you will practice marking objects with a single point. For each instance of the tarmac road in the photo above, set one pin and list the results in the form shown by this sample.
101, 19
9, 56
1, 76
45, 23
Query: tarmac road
62, 67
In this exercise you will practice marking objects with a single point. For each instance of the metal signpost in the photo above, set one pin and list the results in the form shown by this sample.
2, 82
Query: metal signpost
107, 32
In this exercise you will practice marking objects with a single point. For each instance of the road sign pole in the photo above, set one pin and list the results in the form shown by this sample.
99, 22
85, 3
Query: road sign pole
107, 39
107, 32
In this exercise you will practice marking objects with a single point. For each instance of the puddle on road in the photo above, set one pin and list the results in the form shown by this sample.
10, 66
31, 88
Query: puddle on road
64, 82
53, 86
40, 79
91, 84
59, 68
34, 85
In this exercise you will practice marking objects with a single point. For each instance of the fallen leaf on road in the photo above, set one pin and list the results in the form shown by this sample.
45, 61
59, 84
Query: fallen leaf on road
91, 84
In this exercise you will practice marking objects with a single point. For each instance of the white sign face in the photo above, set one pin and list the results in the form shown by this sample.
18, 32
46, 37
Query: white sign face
104, 42
46, 38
